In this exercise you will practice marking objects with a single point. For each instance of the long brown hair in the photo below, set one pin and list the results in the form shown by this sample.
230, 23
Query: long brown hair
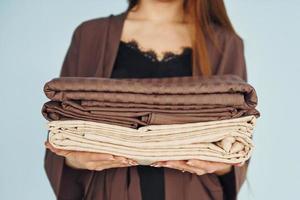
202, 14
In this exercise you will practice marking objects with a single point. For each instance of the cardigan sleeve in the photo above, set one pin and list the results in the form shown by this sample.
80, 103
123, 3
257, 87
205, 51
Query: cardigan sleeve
233, 62
63, 179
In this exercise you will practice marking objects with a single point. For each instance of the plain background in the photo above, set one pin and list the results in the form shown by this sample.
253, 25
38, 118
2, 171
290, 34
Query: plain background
35, 34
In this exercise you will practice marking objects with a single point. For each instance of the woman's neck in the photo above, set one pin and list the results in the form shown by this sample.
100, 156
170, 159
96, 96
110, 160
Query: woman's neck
160, 11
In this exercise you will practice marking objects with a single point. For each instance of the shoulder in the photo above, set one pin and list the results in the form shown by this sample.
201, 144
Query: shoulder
92, 25
98, 26
232, 59
95, 29
226, 36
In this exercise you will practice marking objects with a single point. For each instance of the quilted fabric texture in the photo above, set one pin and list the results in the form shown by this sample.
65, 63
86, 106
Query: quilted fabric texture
156, 101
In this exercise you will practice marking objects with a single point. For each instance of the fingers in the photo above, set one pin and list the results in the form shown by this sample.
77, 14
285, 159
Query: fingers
98, 156
92, 161
119, 162
207, 166
92, 165
82, 155
89, 156
100, 161
199, 167
179, 165
121, 158
111, 165
218, 168
56, 151
240, 164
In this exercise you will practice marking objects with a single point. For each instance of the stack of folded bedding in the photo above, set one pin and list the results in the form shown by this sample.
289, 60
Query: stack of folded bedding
155, 119
226, 141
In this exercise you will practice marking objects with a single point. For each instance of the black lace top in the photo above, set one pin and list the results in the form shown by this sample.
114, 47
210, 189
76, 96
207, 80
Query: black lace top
133, 62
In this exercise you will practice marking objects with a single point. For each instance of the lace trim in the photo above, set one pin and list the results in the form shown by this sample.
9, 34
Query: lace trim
154, 56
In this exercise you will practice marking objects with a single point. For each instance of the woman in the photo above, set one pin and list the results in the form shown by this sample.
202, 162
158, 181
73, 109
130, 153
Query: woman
152, 38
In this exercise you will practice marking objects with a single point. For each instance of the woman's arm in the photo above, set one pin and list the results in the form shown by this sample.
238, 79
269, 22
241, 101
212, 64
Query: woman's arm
65, 168
231, 177
54, 164
233, 62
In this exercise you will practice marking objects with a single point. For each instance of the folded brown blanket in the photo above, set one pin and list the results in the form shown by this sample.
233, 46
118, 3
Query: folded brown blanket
139, 102
228, 141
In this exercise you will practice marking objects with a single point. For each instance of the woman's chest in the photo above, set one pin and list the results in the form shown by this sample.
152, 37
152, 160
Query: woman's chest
133, 62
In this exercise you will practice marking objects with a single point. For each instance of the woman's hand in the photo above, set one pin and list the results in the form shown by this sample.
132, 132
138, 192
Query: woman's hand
198, 167
91, 161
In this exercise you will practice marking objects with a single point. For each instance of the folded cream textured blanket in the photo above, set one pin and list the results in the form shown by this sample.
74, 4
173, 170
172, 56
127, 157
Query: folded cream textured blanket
150, 101
228, 141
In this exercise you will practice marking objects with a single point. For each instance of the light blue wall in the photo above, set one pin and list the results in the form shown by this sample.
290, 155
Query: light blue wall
35, 34
271, 33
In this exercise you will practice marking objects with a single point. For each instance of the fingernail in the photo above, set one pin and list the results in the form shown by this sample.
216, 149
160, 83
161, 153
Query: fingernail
238, 164
135, 164
156, 165
111, 158
190, 163
167, 165
125, 162
132, 162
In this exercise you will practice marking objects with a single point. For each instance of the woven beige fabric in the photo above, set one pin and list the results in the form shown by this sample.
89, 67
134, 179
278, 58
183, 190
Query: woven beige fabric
226, 141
